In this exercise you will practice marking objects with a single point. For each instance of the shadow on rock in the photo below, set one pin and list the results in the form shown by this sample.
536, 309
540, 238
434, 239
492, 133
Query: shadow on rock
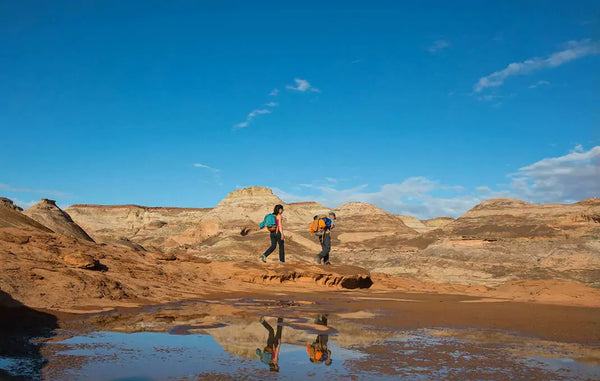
19, 325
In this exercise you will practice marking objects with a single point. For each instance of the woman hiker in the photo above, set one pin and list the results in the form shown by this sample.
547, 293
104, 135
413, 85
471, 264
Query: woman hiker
273, 222
270, 354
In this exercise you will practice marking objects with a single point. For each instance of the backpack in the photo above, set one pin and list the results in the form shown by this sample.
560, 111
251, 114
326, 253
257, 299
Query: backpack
319, 224
270, 222
314, 352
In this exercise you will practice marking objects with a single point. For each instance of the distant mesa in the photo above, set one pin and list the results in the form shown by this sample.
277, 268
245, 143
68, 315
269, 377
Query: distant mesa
47, 213
363, 217
360, 208
502, 203
437, 222
594, 201
251, 192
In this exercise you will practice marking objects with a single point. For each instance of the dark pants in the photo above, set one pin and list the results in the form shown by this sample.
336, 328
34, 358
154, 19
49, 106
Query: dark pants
322, 339
276, 239
325, 247
274, 338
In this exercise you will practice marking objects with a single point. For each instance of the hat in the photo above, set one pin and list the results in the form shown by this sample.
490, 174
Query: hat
332, 214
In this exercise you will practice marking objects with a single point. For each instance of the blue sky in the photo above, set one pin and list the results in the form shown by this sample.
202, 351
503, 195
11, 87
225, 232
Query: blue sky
422, 108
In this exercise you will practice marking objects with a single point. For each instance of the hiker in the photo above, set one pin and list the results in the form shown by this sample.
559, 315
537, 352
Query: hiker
270, 354
274, 224
318, 352
321, 227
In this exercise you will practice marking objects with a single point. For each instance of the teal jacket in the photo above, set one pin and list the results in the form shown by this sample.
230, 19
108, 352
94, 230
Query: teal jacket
268, 221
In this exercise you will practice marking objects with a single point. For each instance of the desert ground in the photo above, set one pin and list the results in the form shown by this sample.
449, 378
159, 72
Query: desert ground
510, 284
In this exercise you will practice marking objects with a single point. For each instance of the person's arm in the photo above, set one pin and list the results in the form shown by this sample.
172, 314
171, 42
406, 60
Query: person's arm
281, 227
276, 352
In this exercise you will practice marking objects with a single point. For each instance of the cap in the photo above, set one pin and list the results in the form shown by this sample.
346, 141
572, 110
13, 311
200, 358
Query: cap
332, 214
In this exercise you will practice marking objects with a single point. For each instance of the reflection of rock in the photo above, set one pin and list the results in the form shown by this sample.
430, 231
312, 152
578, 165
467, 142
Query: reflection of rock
242, 337
522, 346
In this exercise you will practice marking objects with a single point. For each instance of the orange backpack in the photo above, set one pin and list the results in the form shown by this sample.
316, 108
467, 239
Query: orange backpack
319, 224
314, 353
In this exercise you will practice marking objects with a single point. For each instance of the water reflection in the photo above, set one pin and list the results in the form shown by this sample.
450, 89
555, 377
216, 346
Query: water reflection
191, 343
270, 353
318, 351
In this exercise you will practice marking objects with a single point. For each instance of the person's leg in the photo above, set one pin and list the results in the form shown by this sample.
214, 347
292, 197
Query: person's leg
326, 247
279, 328
273, 245
271, 339
319, 256
281, 248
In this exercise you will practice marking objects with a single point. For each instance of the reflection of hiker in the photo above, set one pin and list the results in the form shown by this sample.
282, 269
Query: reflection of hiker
270, 354
275, 226
321, 227
318, 352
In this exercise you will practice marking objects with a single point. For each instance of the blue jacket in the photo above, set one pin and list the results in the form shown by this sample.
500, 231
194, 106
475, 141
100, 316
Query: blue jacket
268, 221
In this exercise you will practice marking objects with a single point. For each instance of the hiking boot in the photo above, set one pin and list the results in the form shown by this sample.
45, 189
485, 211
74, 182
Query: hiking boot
327, 263
281, 261
263, 258
318, 259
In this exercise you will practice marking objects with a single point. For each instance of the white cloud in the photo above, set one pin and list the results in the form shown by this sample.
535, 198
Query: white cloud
569, 178
197, 165
25, 204
251, 116
438, 45
539, 83
565, 179
574, 50
302, 85
256, 112
53, 193
240, 125
489, 97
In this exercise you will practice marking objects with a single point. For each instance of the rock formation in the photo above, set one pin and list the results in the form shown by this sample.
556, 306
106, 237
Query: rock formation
47, 213
10, 216
497, 241
437, 222
8, 203
138, 227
